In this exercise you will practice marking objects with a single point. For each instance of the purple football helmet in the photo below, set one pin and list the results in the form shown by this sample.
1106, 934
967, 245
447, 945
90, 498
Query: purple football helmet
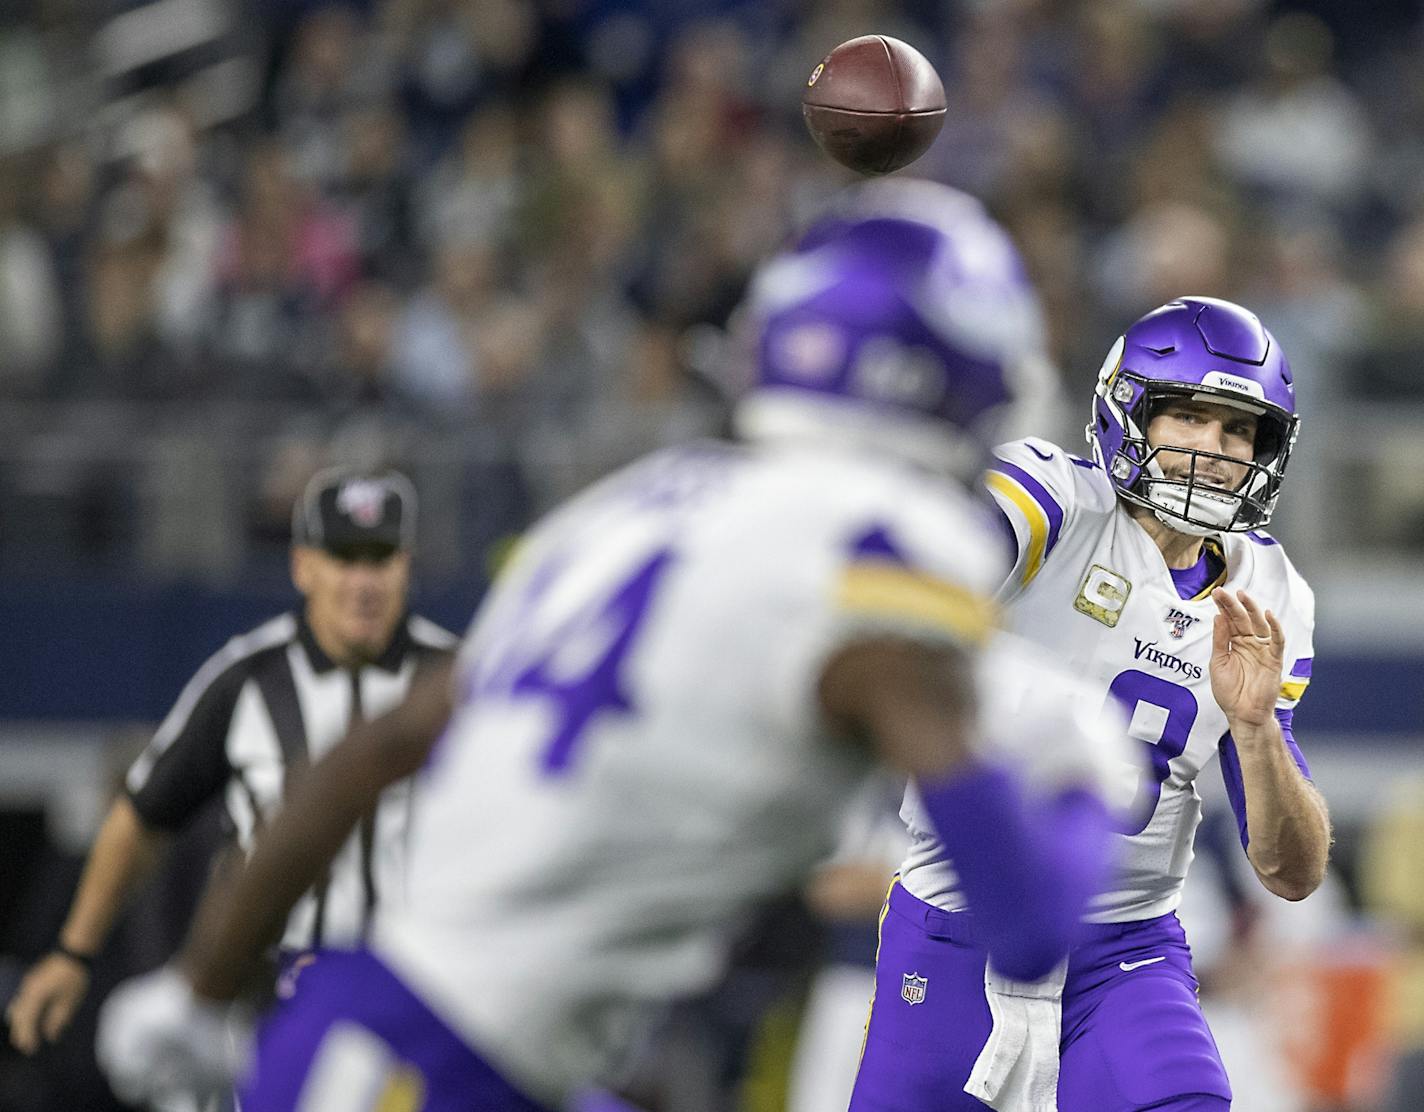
901, 319
1211, 351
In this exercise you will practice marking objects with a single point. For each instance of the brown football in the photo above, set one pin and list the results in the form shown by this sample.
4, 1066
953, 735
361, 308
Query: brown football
874, 104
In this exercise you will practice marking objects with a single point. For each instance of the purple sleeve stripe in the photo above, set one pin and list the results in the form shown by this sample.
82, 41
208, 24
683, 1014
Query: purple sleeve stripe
1231, 770
876, 543
1288, 734
1301, 668
1051, 509
1235, 789
1028, 865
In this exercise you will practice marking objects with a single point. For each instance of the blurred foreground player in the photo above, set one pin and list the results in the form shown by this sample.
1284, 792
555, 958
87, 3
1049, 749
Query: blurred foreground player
270, 701
1142, 570
662, 708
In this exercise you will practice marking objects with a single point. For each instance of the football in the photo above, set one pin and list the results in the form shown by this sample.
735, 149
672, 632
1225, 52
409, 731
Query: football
874, 104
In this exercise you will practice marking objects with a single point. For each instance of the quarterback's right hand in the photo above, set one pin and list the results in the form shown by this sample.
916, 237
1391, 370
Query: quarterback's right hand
49, 995
157, 1039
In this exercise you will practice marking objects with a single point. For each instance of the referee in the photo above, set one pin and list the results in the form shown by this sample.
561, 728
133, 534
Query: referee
269, 702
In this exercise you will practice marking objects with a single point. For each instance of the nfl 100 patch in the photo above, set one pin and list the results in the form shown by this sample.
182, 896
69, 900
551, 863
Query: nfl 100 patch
1179, 622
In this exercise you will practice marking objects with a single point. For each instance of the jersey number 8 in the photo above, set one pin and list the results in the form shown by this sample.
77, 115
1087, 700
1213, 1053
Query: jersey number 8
1133, 689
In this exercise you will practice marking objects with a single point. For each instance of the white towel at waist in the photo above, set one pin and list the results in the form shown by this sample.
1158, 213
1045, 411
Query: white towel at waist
1017, 1071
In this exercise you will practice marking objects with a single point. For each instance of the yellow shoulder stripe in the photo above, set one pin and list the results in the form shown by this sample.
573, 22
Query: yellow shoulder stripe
404, 1090
1294, 689
1033, 514
879, 587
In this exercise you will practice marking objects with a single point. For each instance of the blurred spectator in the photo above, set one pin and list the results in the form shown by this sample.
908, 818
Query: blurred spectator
1177, 161
580, 199
1111, 82
510, 338
332, 72
1395, 97
285, 260
1297, 130
184, 216
1297, 283
1392, 362
1223, 911
1163, 251
1389, 370
846, 896
1214, 43
986, 91
474, 194
125, 354
375, 195
657, 401
30, 307
1394, 890
64, 211
452, 55
360, 372
436, 358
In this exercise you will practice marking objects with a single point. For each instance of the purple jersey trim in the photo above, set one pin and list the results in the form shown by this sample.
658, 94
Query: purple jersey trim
1231, 769
876, 544
1028, 864
1191, 581
1039, 494
1263, 538
1301, 668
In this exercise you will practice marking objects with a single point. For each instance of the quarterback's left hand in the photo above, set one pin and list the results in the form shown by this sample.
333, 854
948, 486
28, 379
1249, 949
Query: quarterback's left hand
1248, 651
157, 1039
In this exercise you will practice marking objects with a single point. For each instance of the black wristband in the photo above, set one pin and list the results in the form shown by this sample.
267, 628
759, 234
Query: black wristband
86, 960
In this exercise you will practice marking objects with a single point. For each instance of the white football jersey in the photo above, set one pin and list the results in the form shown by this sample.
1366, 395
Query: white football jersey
1090, 587
637, 756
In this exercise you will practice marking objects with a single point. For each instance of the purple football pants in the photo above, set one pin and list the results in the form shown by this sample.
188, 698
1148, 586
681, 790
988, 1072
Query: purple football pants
1132, 1038
429, 1067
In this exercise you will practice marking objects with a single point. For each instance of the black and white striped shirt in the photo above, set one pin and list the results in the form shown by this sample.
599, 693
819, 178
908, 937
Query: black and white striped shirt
268, 701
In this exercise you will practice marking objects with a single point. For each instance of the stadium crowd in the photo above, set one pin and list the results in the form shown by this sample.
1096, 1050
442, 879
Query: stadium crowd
324, 227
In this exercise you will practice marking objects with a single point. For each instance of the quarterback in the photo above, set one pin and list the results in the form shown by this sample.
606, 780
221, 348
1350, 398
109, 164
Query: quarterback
1144, 570
663, 705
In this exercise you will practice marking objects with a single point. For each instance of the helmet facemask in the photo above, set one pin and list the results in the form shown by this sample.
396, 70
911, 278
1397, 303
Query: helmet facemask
1187, 503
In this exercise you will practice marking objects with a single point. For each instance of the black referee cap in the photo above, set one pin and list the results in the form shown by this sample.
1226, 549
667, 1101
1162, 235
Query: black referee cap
349, 512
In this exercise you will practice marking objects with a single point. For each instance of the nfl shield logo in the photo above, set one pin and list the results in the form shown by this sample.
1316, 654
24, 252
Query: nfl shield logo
912, 988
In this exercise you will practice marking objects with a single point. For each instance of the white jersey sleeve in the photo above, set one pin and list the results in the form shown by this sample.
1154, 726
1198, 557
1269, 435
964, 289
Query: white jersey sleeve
1041, 490
1298, 624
